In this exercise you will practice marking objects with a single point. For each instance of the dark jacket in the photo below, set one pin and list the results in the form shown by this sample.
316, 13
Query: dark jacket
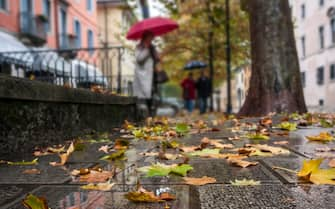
204, 87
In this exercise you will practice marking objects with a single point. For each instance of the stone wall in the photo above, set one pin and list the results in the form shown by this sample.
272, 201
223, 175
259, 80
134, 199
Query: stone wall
34, 113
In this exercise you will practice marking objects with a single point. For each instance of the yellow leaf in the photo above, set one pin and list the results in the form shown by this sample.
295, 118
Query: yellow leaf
323, 176
199, 181
33, 202
64, 157
323, 136
309, 167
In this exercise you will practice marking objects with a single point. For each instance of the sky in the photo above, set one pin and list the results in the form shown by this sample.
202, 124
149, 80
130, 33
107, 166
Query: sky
155, 8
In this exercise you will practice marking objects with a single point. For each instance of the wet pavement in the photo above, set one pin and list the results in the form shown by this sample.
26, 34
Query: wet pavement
278, 189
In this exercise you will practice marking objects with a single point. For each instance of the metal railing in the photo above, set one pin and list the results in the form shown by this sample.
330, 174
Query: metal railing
88, 68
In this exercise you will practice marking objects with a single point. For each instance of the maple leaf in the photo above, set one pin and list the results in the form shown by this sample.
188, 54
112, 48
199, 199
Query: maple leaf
245, 182
142, 195
241, 163
270, 149
160, 169
189, 148
107, 186
216, 143
309, 166
96, 176
33, 202
199, 181
323, 136
64, 157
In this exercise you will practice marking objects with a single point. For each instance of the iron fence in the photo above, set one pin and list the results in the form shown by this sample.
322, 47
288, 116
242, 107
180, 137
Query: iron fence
75, 68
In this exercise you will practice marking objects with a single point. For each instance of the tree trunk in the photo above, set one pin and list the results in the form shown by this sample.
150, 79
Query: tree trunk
275, 84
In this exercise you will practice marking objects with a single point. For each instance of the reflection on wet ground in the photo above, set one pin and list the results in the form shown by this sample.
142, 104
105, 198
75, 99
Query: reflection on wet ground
278, 189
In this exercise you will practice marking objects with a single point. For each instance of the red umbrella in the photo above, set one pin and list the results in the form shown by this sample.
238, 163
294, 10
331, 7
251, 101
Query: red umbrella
157, 25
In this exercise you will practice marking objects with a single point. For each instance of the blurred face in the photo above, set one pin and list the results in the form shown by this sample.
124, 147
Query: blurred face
148, 39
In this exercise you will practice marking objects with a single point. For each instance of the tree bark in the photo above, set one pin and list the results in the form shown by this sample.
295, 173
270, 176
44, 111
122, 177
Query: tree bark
275, 84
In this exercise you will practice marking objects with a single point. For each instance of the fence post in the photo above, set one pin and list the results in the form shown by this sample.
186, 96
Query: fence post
119, 76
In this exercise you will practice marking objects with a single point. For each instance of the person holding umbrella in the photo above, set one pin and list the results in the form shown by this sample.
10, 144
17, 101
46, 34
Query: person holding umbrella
146, 60
146, 55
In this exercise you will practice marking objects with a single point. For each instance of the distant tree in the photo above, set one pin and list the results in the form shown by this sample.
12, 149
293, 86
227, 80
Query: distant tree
275, 82
191, 40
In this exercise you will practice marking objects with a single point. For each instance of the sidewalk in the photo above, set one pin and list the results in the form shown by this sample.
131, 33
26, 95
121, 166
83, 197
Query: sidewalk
277, 189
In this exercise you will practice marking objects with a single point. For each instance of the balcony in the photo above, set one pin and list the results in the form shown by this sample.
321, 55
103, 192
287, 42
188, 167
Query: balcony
32, 29
67, 42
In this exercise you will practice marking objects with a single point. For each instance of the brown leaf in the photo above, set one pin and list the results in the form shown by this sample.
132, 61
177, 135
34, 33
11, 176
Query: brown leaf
189, 148
266, 121
31, 171
199, 181
96, 176
104, 149
167, 196
241, 163
64, 157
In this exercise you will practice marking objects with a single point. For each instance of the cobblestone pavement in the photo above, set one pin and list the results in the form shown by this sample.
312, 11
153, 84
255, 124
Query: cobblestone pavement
278, 189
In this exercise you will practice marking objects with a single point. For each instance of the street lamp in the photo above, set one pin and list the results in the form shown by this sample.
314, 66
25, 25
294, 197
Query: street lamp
228, 59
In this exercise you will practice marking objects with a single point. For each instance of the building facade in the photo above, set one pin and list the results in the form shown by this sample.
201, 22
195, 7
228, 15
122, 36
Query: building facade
115, 17
240, 86
315, 39
55, 24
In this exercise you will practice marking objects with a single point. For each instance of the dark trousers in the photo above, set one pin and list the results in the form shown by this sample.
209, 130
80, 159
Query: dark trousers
203, 104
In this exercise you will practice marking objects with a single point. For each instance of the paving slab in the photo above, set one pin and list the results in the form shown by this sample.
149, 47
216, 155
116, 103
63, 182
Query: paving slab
266, 197
10, 193
11, 174
74, 197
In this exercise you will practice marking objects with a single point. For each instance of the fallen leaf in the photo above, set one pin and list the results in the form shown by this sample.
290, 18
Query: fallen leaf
323, 149
121, 144
64, 157
216, 143
245, 182
323, 176
271, 149
199, 181
309, 166
107, 186
287, 126
241, 163
266, 121
160, 169
96, 176
257, 136
142, 195
33, 162
281, 142
332, 163
115, 155
32, 171
33, 202
189, 148
323, 136
182, 128
167, 196
104, 149
205, 152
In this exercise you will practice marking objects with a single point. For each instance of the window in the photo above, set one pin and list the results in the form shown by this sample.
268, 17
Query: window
321, 37
303, 79
77, 30
321, 3
303, 46
90, 41
303, 12
320, 76
332, 29
332, 72
47, 13
89, 5
321, 102
3, 4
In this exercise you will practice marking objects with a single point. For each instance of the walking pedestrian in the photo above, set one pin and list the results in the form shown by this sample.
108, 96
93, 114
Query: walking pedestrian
203, 85
146, 59
188, 85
